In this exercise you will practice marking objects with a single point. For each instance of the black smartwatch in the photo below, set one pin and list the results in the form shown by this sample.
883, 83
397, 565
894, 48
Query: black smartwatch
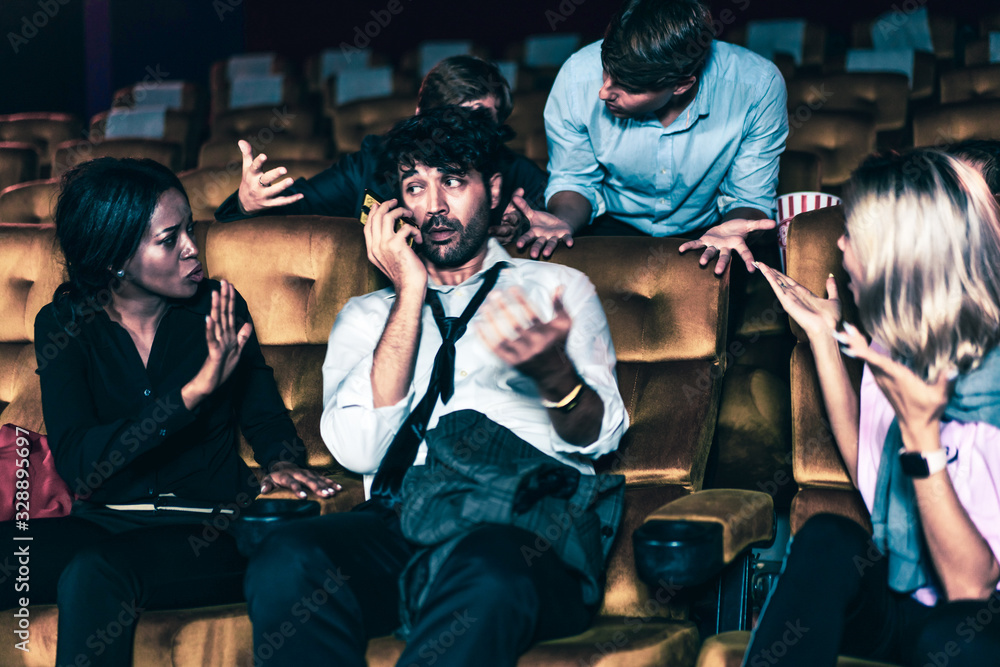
922, 464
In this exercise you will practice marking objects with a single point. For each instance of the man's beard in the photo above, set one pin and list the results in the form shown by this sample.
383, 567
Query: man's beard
456, 252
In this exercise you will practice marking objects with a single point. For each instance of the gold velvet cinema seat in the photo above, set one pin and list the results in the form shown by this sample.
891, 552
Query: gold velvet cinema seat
668, 320
33, 202
71, 153
44, 130
951, 123
18, 163
840, 138
824, 485
225, 152
353, 121
885, 95
970, 83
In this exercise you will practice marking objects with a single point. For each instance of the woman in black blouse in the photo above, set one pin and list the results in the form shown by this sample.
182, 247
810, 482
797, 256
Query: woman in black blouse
151, 368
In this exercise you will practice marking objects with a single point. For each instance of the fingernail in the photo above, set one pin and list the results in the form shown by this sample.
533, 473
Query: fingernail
846, 352
850, 328
829, 275
841, 338
755, 264
952, 373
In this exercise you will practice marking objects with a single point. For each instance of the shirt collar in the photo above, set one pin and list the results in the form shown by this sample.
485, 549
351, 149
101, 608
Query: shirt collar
495, 254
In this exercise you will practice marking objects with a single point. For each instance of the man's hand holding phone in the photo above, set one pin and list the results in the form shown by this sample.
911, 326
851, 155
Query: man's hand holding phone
388, 240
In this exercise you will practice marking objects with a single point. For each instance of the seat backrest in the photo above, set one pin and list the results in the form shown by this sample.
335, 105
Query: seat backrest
226, 152
799, 171
841, 139
18, 163
190, 97
32, 202
668, 320
180, 127
72, 153
30, 271
297, 122
354, 121
816, 462
952, 123
310, 267
883, 94
970, 83
44, 130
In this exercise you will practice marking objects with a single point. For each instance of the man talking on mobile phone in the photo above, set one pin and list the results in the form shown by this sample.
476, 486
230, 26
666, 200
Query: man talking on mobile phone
473, 395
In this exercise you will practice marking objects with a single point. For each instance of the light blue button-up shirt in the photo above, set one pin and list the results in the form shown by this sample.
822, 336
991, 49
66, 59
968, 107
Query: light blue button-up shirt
721, 153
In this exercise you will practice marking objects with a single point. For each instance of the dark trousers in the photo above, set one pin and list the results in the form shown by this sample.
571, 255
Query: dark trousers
325, 586
833, 597
104, 573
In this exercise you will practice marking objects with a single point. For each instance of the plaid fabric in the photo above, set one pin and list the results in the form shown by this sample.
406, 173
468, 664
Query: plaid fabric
478, 472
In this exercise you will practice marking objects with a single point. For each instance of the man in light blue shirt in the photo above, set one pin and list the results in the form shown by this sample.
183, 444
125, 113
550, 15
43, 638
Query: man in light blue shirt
663, 129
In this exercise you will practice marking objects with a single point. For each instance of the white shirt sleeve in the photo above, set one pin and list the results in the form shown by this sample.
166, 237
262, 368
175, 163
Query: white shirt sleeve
357, 433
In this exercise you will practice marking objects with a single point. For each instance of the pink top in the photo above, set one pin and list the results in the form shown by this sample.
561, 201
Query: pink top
973, 463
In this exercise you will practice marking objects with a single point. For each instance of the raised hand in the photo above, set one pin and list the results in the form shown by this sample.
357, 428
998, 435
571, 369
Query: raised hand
545, 230
225, 345
918, 404
516, 334
390, 250
260, 190
817, 316
725, 239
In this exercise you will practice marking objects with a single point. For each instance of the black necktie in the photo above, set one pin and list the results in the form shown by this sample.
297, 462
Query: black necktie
403, 450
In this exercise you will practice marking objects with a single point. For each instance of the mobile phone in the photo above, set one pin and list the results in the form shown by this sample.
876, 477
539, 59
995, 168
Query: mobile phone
366, 207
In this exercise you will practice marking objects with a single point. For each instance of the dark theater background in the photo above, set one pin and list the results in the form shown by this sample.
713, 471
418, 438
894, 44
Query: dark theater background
73, 55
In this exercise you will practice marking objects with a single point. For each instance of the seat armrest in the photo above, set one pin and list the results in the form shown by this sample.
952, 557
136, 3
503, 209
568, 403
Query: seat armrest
691, 539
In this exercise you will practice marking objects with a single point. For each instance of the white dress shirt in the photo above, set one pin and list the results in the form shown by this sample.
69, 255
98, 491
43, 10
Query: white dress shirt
358, 434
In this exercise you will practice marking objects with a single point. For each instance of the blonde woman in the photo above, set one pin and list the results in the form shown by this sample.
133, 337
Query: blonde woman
922, 444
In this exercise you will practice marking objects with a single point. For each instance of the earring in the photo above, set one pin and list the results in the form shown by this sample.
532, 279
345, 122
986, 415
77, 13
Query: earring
120, 273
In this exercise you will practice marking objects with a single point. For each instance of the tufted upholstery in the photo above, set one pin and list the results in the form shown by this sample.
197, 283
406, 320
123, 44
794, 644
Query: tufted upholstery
956, 122
208, 187
71, 153
840, 138
44, 130
33, 201
882, 94
970, 83
668, 320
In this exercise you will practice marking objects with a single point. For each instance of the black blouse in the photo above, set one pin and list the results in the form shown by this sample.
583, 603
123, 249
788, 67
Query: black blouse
119, 432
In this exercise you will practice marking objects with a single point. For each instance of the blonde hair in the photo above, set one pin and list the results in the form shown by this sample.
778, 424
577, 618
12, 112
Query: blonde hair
925, 231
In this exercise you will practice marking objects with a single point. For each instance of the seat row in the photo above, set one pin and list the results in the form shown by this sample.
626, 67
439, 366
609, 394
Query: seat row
668, 320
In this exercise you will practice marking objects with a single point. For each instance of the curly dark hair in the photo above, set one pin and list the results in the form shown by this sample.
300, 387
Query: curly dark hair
461, 79
451, 137
103, 211
655, 44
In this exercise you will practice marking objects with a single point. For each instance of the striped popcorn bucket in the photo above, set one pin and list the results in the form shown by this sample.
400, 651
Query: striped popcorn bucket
791, 205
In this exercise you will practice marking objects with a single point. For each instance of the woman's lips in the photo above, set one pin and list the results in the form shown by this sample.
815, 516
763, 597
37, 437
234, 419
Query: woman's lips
196, 276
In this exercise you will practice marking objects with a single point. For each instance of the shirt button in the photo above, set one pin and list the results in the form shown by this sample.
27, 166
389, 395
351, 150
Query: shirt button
163, 431
146, 392
663, 171
463, 374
